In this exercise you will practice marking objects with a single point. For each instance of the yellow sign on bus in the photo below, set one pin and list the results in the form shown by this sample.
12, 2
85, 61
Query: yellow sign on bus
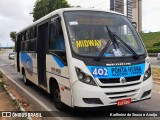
88, 43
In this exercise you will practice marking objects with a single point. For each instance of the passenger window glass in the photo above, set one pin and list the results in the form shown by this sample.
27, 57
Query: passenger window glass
33, 32
27, 35
56, 36
23, 36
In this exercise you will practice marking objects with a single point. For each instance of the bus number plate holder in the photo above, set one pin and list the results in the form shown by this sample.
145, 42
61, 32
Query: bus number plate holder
124, 102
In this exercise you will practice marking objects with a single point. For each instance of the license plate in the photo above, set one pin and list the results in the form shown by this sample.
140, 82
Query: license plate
124, 102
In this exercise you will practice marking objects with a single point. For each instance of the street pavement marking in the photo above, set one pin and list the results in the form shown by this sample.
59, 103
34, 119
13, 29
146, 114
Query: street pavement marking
37, 100
6, 65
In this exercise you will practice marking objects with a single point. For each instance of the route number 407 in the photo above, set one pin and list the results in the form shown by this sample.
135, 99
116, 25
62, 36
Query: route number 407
100, 72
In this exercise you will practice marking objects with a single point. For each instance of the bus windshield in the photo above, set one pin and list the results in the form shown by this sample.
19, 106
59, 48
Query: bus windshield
88, 33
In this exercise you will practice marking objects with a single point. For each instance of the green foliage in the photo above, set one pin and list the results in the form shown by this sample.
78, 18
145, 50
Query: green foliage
157, 44
13, 36
2, 85
1, 74
153, 50
43, 7
150, 39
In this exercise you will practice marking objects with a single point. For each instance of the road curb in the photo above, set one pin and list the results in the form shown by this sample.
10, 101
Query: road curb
154, 67
14, 99
33, 97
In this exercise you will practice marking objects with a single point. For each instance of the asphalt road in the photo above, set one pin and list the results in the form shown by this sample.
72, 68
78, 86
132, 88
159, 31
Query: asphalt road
40, 101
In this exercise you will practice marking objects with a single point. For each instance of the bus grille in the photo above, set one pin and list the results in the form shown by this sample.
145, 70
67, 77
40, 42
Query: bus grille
123, 94
118, 86
117, 80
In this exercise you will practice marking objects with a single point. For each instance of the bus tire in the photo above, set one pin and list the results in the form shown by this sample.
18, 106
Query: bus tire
25, 80
57, 98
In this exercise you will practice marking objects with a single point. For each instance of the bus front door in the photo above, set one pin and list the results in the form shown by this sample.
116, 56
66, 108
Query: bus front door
41, 54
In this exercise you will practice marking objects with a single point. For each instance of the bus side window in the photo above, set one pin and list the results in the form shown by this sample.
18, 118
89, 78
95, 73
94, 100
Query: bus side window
56, 40
56, 36
22, 41
33, 39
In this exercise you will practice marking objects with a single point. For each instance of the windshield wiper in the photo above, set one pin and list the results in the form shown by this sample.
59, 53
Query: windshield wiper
136, 56
112, 39
103, 51
115, 43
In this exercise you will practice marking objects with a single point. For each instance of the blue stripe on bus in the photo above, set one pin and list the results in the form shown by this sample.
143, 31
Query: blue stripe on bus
59, 62
57, 75
26, 61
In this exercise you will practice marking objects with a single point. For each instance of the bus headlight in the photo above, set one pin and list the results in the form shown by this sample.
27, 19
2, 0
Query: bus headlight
88, 79
147, 74
83, 77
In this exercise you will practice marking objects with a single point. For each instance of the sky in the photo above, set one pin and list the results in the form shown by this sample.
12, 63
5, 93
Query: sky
15, 15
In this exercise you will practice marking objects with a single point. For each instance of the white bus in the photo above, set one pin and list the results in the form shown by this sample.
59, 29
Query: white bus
85, 58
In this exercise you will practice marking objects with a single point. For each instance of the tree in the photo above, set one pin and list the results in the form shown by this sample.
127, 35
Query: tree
13, 36
43, 7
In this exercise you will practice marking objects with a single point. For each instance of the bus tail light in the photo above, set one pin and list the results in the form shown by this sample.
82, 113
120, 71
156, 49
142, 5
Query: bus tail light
83, 77
147, 74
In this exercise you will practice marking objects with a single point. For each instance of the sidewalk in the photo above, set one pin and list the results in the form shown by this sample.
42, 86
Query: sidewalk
7, 104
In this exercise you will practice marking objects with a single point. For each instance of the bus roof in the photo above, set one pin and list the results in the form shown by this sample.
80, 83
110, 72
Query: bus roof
61, 11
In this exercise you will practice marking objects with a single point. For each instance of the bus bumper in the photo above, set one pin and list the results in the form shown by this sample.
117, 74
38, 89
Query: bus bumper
94, 96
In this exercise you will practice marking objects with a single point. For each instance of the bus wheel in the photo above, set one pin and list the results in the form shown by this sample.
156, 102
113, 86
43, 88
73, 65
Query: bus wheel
57, 99
25, 80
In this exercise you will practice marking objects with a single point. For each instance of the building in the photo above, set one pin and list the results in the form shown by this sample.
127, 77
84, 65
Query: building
117, 5
137, 14
131, 8
129, 11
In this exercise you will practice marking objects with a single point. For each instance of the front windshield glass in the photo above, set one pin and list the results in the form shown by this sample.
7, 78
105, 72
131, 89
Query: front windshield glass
89, 35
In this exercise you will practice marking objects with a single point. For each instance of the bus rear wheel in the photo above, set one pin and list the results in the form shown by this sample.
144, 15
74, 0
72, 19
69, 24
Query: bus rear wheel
57, 98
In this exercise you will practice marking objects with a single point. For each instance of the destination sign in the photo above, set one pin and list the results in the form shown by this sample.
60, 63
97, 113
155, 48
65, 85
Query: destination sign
94, 20
117, 72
